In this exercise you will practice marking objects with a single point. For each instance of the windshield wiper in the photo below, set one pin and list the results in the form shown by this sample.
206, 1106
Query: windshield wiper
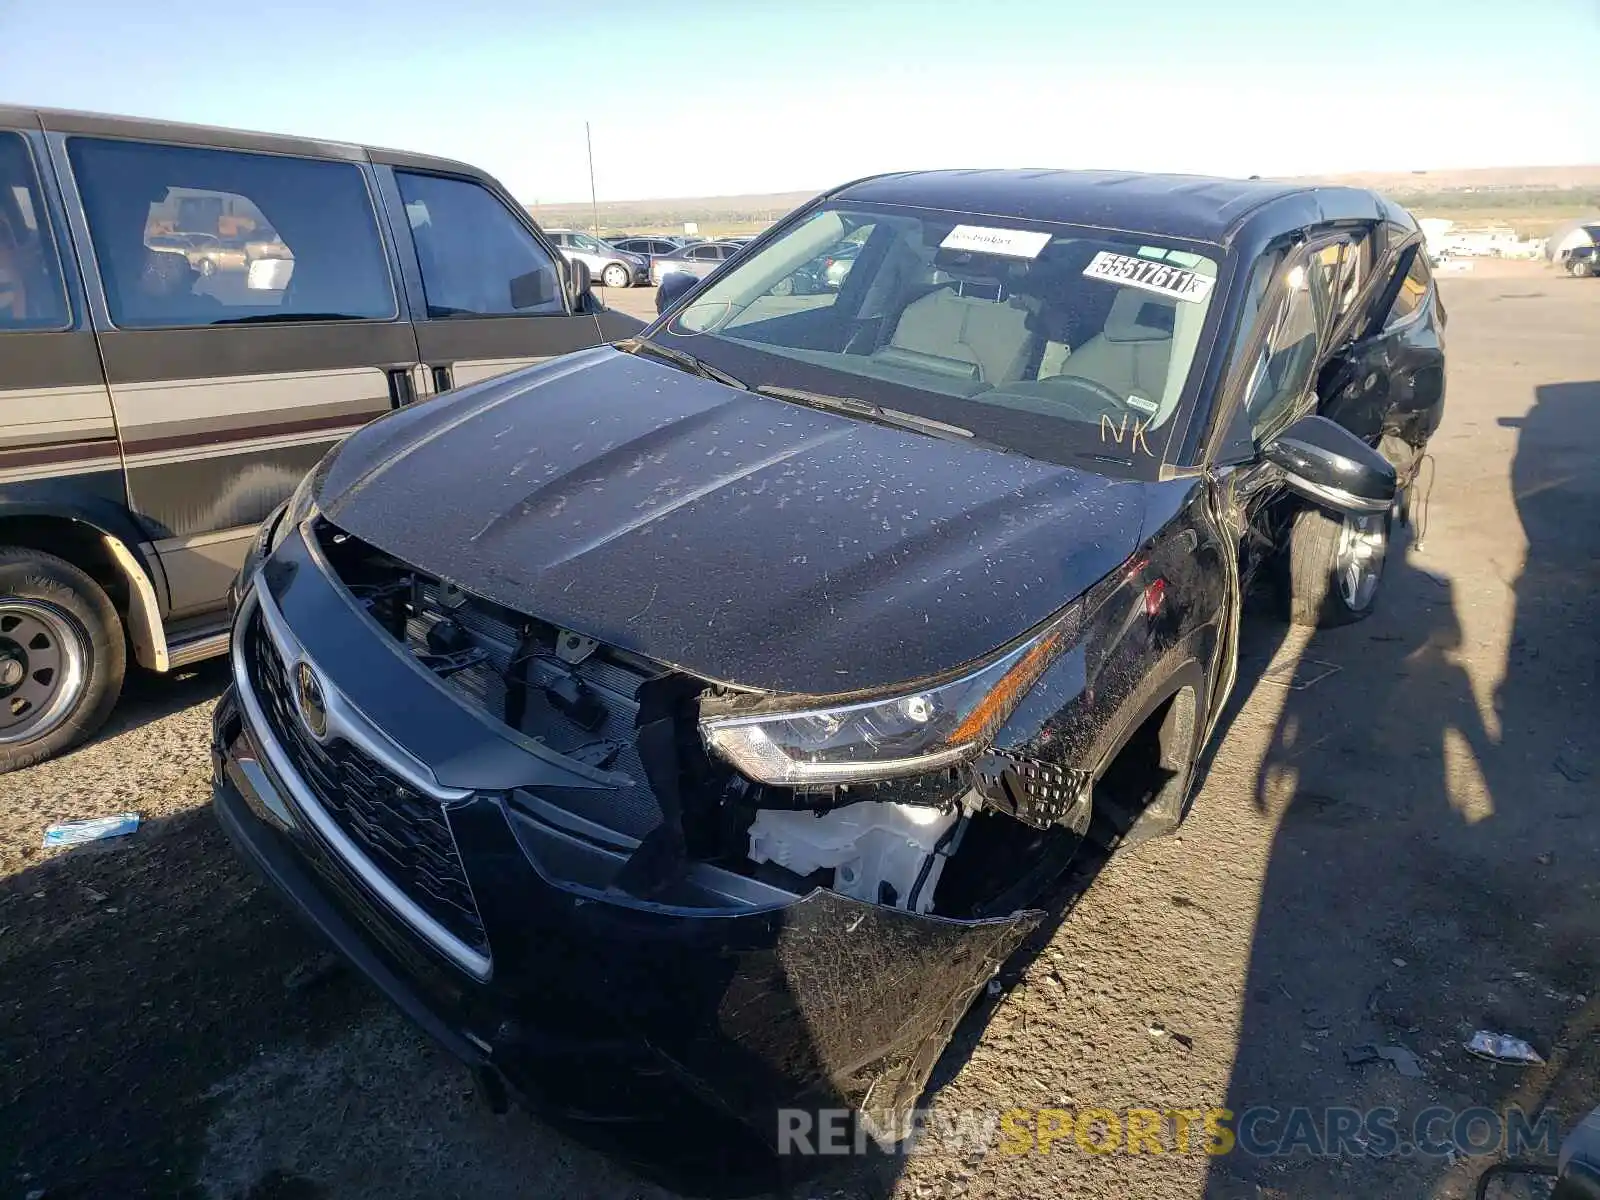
679, 358
850, 406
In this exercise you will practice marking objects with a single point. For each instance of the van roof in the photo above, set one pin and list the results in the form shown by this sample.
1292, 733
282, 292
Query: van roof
55, 120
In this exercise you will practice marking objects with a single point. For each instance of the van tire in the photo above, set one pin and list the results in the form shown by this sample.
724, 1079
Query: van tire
1581, 268
70, 623
616, 276
1319, 548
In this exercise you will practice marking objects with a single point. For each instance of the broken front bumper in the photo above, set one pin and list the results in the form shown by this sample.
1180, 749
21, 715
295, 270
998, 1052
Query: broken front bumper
756, 1001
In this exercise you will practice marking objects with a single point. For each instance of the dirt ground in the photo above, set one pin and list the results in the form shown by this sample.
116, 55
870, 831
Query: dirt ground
1394, 846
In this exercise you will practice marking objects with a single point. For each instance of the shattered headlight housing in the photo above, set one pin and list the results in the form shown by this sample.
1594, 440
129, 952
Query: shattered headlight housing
914, 730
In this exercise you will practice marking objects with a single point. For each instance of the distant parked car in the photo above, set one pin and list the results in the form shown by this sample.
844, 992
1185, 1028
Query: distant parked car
1583, 262
206, 252
611, 266
649, 248
698, 260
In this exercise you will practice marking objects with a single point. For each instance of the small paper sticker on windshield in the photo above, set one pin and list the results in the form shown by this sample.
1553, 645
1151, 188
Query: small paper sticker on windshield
981, 239
1164, 278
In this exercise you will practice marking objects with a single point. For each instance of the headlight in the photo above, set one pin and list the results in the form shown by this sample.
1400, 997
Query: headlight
911, 732
302, 505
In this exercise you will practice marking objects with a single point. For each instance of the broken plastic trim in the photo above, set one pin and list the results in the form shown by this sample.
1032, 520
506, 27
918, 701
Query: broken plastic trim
1032, 790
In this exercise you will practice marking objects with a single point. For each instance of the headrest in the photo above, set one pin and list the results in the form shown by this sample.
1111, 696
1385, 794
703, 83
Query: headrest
1137, 316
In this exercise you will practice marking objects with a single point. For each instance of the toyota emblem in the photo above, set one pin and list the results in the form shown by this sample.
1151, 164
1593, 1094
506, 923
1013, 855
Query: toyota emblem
313, 705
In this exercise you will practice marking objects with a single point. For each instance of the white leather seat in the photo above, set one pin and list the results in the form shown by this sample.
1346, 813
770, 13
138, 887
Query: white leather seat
962, 336
1131, 355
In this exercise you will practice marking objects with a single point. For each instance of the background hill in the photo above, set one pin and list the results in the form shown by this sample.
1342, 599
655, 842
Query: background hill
1533, 199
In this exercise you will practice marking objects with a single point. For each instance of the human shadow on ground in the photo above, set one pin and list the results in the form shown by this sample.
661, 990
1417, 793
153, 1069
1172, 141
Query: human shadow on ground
1431, 871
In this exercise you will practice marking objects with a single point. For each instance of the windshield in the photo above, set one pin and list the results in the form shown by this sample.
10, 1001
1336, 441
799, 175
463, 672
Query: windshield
1051, 340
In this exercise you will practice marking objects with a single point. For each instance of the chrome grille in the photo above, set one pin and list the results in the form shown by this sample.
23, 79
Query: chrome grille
404, 833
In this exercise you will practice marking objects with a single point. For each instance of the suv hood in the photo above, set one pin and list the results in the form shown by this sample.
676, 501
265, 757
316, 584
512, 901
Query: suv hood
743, 539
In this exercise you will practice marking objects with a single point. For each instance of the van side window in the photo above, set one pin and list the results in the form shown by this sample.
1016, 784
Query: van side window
186, 236
31, 295
1413, 289
476, 258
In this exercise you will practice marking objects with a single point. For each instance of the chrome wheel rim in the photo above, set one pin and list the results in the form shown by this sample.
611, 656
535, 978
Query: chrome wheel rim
44, 658
1358, 562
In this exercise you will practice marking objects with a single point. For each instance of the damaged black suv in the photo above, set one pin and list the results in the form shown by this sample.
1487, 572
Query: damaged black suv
722, 700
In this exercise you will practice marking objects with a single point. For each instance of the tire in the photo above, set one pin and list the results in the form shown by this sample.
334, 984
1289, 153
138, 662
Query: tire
616, 276
784, 287
208, 267
1321, 592
1581, 268
62, 657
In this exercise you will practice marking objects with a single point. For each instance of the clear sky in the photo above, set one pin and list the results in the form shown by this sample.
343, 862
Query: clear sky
712, 97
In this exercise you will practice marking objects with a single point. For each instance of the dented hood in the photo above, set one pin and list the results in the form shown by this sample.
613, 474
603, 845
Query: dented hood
744, 539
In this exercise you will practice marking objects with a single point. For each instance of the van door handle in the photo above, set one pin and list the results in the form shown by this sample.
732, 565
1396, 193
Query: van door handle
401, 390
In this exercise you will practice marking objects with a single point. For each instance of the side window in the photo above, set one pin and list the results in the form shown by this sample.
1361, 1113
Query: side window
477, 259
1413, 290
31, 294
1281, 372
186, 236
1354, 271
817, 281
705, 254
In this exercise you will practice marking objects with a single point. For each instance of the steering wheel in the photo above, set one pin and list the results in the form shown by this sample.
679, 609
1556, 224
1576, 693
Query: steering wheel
1101, 401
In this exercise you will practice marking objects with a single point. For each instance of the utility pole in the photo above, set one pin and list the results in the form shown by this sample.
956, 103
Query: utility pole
594, 200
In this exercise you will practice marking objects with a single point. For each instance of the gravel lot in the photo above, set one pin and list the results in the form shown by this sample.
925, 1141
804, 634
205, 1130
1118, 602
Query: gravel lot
1398, 853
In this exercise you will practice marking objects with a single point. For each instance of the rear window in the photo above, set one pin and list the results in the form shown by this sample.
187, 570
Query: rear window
31, 295
186, 236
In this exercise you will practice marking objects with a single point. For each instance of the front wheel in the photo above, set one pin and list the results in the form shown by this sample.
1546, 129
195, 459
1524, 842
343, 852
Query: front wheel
615, 276
1581, 268
62, 656
1335, 564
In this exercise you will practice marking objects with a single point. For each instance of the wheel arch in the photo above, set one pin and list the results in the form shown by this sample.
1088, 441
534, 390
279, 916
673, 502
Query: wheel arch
103, 542
1177, 693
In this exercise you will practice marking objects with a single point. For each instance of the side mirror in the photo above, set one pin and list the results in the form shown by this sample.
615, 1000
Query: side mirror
1325, 462
674, 287
533, 289
579, 281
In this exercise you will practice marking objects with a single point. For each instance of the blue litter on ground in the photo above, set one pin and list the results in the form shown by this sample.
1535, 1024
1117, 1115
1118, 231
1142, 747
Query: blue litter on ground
72, 833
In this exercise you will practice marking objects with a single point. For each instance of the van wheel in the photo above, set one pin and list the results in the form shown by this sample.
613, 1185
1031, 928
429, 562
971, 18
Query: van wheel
62, 656
616, 276
208, 267
1581, 268
1335, 565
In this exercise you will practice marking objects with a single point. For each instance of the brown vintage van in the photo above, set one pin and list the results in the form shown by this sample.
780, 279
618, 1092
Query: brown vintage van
189, 318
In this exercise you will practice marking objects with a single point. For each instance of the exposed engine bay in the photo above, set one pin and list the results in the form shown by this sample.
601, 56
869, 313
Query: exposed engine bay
966, 841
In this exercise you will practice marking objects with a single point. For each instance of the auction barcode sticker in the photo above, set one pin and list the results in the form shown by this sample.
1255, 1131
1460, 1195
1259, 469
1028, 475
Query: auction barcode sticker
980, 239
1177, 282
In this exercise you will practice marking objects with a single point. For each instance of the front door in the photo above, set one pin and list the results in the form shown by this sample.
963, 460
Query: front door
1270, 383
231, 373
58, 439
487, 293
